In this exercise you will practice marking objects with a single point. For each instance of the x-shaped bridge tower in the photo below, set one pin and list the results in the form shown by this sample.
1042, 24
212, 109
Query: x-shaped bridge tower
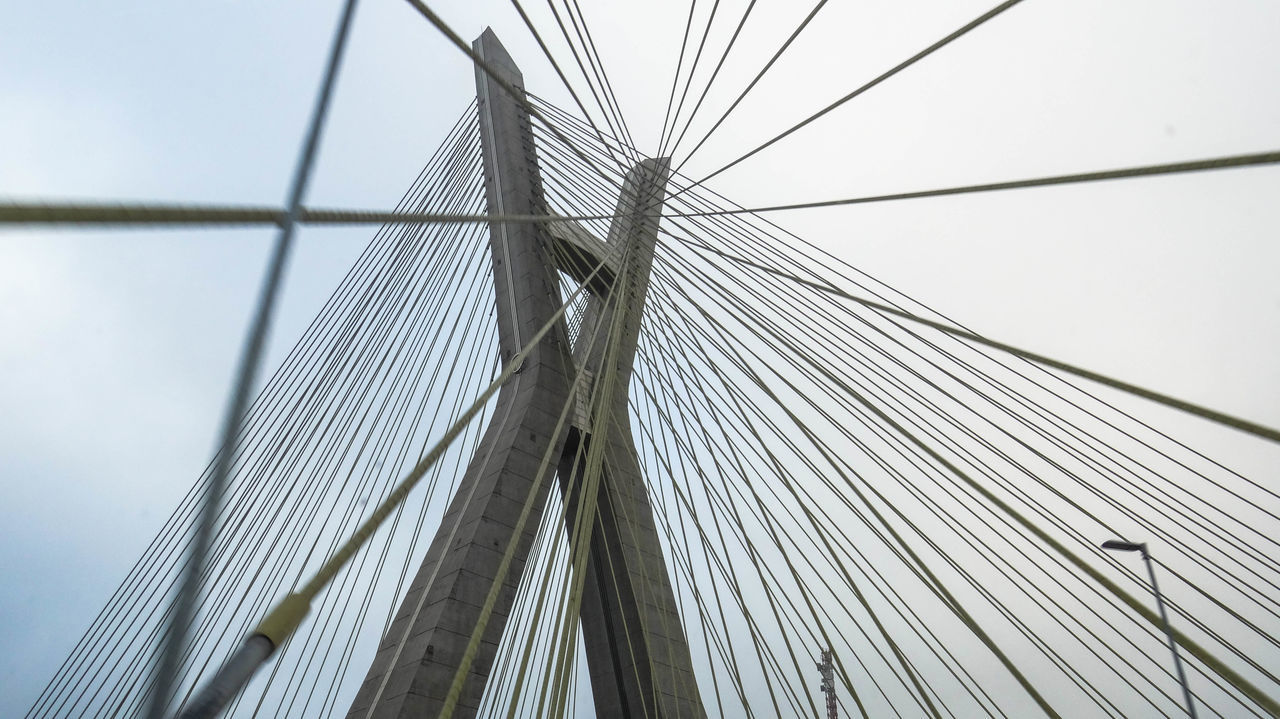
564, 413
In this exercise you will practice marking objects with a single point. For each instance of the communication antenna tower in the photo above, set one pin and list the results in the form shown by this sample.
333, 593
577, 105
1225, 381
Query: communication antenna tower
828, 671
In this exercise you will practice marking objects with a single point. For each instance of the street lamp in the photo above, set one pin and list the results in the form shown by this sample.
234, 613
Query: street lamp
1122, 546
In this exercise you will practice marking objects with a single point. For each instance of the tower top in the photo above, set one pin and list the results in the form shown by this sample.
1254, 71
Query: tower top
491, 50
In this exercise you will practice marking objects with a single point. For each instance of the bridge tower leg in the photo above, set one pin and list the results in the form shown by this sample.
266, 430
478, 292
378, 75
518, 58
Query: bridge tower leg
636, 650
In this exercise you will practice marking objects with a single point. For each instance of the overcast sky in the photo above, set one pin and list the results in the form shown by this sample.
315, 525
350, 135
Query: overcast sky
118, 346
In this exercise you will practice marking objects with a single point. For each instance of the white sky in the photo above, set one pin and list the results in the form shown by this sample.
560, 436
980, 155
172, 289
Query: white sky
118, 346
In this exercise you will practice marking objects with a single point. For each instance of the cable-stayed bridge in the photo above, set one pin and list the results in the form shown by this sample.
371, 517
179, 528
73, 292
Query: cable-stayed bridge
828, 464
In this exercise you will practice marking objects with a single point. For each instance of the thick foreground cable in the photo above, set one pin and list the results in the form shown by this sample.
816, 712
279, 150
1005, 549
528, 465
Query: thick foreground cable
109, 214
234, 674
184, 603
105, 214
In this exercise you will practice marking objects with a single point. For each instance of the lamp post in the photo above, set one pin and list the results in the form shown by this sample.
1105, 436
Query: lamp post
1122, 546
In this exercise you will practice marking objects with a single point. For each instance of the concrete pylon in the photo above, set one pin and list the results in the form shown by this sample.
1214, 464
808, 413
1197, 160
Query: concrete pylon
637, 654
636, 650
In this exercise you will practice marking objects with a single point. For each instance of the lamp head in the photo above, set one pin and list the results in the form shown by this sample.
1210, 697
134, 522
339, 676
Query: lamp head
1122, 546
